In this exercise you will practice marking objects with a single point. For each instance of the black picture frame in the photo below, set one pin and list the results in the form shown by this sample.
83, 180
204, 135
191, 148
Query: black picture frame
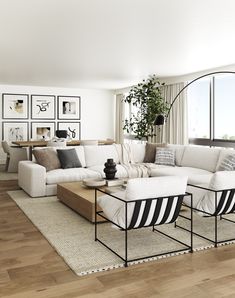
42, 124
53, 113
70, 116
64, 126
4, 123
14, 97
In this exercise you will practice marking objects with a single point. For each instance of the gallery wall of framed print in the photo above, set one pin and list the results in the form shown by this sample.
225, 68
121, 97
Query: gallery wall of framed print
69, 107
15, 106
42, 130
43, 107
73, 129
15, 131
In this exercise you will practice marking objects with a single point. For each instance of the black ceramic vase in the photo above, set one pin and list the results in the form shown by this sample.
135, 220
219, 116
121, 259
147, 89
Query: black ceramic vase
110, 169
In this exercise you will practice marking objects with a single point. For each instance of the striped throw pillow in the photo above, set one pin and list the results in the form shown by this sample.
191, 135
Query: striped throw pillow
228, 163
165, 156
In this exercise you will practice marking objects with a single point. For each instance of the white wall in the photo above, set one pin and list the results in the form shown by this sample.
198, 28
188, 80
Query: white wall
97, 109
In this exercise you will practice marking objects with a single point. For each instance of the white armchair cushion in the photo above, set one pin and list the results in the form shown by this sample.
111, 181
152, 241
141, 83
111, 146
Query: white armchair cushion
219, 181
139, 189
144, 188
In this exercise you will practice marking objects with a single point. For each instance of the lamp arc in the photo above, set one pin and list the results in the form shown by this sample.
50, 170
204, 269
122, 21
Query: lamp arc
194, 80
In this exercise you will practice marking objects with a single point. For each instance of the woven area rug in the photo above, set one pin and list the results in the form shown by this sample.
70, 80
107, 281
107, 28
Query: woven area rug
72, 236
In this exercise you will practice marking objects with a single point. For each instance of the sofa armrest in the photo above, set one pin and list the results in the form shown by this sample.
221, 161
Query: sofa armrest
32, 178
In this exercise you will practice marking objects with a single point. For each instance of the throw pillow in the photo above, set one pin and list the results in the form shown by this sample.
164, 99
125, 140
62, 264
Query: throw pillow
68, 158
228, 163
47, 158
165, 156
150, 151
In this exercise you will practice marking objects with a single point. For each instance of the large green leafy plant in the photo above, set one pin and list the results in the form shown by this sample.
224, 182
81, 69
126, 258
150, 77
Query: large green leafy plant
147, 100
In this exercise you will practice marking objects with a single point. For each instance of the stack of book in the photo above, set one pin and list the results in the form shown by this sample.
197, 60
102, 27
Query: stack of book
115, 182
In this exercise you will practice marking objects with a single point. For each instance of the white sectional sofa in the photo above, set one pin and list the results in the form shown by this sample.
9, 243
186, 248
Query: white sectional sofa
198, 163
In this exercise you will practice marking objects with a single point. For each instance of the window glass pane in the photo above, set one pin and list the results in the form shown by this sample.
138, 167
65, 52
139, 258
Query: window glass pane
199, 109
225, 107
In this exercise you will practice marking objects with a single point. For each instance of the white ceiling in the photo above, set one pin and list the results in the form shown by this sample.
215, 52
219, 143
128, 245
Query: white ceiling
112, 43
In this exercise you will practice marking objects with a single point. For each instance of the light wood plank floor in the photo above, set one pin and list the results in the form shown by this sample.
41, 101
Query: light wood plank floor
30, 268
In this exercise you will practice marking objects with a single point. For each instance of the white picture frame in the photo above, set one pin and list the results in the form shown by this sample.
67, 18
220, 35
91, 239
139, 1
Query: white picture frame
43, 107
73, 129
42, 131
15, 106
15, 131
69, 107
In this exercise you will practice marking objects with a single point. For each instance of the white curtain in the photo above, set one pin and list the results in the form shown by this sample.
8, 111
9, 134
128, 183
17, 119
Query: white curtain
119, 119
175, 130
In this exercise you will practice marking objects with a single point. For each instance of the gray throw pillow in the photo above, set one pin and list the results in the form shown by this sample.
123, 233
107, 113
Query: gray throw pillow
150, 151
68, 158
47, 158
165, 156
228, 163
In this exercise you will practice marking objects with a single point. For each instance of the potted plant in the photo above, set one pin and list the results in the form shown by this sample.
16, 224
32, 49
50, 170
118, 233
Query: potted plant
147, 100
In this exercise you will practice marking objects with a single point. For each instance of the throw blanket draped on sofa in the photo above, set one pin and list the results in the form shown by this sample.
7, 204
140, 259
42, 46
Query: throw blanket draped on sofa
134, 170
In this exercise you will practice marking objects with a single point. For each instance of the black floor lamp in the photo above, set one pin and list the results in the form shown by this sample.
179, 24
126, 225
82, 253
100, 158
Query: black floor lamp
161, 119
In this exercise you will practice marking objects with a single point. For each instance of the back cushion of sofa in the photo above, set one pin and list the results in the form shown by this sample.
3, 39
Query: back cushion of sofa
138, 152
98, 155
223, 154
179, 151
200, 157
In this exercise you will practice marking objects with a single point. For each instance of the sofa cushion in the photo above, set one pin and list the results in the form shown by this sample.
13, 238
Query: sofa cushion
47, 158
69, 158
98, 155
223, 154
200, 157
195, 176
150, 151
165, 156
179, 151
138, 152
70, 175
121, 171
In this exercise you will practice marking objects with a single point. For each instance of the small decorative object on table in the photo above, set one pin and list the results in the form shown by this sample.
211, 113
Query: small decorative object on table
110, 169
92, 182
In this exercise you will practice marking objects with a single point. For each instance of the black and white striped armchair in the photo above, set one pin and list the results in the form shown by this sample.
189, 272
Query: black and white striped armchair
147, 202
217, 200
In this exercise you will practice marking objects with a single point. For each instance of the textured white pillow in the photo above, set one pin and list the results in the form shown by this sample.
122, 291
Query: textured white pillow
228, 163
165, 156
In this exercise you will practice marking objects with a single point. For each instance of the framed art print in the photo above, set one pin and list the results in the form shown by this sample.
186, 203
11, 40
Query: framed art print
43, 107
15, 131
69, 107
15, 106
42, 130
73, 129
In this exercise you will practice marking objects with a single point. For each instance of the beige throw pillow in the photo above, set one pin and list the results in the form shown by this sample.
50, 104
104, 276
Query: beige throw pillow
47, 158
150, 151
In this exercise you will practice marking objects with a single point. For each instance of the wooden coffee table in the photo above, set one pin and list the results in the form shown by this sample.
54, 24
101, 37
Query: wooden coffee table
79, 198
